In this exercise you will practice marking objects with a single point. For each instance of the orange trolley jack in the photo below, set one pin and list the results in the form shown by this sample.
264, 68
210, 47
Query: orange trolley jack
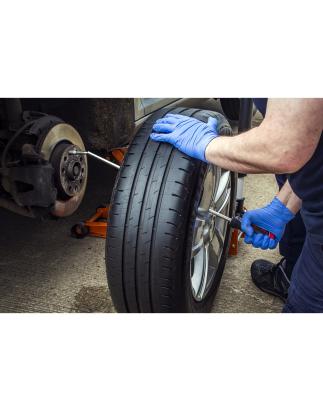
235, 237
93, 226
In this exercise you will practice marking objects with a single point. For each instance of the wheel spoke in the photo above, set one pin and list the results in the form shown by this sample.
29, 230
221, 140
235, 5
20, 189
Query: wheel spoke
202, 286
198, 230
213, 258
207, 192
216, 244
219, 236
197, 275
220, 195
225, 201
197, 248
216, 181
201, 216
204, 240
212, 269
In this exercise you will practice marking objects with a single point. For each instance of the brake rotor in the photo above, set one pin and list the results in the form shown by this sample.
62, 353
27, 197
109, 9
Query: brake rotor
70, 170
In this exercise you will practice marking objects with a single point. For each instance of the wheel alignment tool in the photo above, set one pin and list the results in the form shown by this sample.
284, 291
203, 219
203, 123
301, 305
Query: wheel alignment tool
95, 156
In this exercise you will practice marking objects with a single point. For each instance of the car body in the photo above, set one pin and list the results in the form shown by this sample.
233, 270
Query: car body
145, 106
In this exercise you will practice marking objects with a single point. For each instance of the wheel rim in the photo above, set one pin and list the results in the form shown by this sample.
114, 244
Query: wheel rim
209, 231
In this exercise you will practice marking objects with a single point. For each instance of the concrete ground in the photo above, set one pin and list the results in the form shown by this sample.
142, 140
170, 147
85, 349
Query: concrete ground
44, 269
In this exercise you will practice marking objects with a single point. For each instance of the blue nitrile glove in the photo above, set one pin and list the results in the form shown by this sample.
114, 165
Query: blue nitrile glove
273, 218
189, 135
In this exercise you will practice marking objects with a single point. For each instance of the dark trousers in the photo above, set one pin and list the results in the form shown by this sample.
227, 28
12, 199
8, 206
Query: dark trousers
291, 244
305, 293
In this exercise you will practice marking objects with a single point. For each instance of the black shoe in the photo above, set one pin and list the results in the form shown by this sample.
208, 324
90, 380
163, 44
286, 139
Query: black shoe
271, 278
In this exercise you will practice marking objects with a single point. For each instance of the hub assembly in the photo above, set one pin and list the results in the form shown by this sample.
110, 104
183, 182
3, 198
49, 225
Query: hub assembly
70, 169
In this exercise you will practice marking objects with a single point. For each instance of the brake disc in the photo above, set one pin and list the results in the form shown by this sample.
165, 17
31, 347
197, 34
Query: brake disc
70, 170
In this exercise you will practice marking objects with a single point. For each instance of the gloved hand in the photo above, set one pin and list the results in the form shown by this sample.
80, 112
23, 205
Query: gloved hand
273, 218
189, 135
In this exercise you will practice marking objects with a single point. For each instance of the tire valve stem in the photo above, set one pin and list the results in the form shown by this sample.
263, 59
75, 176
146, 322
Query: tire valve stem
95, 156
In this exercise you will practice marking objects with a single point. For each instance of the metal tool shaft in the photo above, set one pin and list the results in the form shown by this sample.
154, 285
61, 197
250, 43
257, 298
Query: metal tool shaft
219, 215
235, 222
95, 156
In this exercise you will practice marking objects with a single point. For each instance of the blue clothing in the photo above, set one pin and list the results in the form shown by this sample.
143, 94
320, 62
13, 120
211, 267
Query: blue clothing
261, 104
291, 243
305, 293
307, 184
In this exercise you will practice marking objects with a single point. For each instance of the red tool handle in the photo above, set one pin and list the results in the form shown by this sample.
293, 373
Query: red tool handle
236, 223
259, 230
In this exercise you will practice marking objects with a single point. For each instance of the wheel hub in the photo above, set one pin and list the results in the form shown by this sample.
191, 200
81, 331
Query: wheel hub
70, 170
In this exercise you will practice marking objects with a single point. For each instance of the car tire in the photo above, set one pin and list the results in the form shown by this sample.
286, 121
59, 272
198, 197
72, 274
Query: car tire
231, 108
154, 211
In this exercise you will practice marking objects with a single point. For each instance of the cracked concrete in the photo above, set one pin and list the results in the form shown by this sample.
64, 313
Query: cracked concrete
44, 269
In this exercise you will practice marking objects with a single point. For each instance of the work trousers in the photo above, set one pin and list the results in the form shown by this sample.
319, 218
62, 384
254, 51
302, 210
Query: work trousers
305, 294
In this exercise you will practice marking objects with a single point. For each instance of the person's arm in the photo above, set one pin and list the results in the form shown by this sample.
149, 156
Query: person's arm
283, 143
289, 198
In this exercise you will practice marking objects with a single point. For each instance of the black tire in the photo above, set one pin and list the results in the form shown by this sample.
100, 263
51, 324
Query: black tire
151, 222
231, 108
79, 230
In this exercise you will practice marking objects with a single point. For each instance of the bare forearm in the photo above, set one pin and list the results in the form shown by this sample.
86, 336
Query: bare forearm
242, 153
289, 198
246, 153
283, 143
